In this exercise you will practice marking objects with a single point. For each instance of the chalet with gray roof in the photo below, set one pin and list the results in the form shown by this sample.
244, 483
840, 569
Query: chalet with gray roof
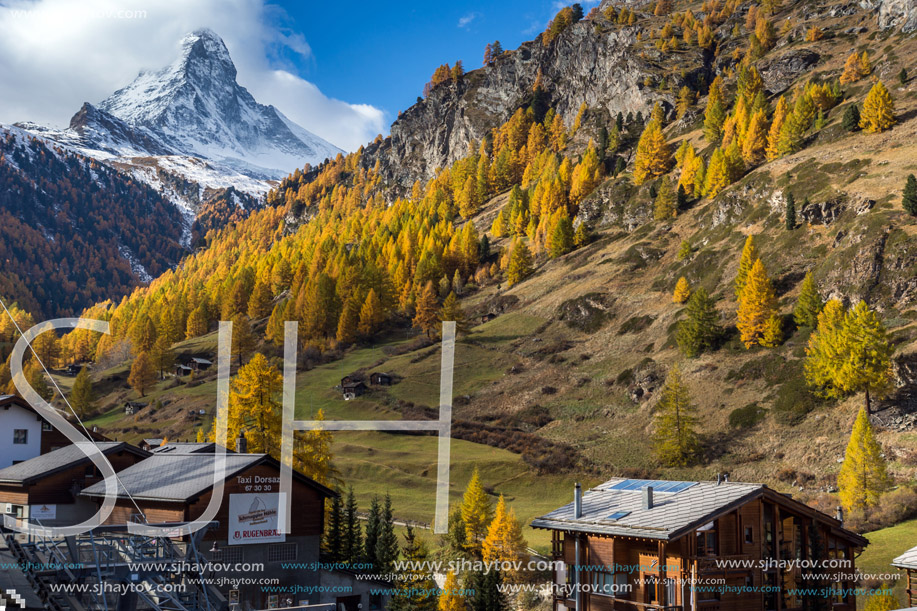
653, 544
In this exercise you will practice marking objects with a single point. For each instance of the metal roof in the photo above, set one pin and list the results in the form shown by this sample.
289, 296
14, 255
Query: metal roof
184, 477
181, 447
907, 560
59, 460
173, 477
672, 514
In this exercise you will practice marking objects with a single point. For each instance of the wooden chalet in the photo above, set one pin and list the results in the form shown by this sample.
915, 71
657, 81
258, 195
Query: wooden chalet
47, 487
689, 546
908, 562
380, 378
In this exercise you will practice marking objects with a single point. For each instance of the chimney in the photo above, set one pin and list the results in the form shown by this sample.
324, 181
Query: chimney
577, 501
719, 478
840, 514
648, 497
241, 443
725, 477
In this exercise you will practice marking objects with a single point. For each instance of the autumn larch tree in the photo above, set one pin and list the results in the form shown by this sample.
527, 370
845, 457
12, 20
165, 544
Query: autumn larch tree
197, 322
675, 438
863, 477
426, 317
347, 323
243, 338
757, 308
878, 110
520, 263
749, 256
715, 113
259, 305
849, 353
809, 304
476, 513
254, 406
666, 205
451, 598
682, 291
504, 542
372, 314
452, 311
143, 374
82, 397
700, 330
162, 356
653, 157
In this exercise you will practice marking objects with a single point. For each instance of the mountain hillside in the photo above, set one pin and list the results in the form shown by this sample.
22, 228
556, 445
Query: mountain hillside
75, 231
555, 199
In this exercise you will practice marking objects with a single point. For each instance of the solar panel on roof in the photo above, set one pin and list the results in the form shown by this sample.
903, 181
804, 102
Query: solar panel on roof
658, 486
618, 515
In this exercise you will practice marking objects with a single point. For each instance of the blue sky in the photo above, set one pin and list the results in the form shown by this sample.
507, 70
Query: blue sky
383, 53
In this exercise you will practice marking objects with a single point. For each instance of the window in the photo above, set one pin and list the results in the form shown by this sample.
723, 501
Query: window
231, 554
609, 584
706, 540
282, 552
21, 436
749, 535
375, 601
46, 426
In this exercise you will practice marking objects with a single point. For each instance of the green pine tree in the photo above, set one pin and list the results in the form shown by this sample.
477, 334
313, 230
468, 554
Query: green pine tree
701, 330
809, 304
851, 118
790, 212
352, 535
334, 533
387, 545
909, 196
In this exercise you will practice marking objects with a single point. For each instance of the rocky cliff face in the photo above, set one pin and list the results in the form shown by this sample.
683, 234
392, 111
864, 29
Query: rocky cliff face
894, 13
586, 63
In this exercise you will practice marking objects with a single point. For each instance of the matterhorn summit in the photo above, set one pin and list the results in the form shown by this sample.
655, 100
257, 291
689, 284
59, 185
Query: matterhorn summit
194, 120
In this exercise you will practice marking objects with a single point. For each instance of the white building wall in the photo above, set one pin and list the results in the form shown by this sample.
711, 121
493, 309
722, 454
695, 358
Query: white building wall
14, 418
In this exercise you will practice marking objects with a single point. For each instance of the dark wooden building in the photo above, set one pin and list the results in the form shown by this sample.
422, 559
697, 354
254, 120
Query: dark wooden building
380, 378
175, 485
47, 487
688, 546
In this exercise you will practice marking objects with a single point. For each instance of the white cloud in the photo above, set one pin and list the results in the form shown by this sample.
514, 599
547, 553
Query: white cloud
60, 53
465, 20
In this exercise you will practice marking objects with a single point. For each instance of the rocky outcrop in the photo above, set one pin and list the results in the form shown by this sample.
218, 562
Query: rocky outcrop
894, 13
588, 62
781, 72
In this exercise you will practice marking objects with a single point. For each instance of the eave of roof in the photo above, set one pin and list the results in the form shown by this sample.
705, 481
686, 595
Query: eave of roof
79, 460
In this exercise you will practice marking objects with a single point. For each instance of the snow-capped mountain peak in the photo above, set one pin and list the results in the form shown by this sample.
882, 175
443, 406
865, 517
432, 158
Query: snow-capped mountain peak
193, 114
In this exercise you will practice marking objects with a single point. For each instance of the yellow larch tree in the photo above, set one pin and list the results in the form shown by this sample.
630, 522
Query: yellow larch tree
878, 110
863, 476
666, 205
504, 542
682, 291
653, 157
781, 112
754, 144
476, 512
749, 256
451, 599
757, 305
